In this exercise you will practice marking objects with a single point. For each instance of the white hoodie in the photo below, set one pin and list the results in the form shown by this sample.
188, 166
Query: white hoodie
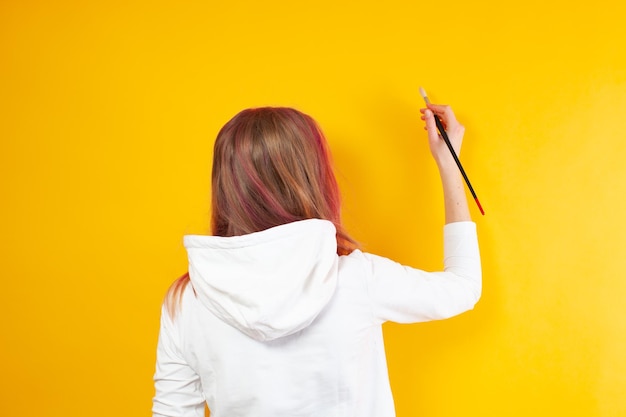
275, 324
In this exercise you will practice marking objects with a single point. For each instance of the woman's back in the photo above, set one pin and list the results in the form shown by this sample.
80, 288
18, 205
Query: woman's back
279, 325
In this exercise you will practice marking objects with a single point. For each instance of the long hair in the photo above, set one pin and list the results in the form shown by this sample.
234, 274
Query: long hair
271, 166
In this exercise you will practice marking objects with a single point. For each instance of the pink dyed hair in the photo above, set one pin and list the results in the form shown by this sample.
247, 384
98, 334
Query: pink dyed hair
271, 166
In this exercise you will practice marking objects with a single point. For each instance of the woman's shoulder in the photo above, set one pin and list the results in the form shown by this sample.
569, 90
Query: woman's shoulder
359, 263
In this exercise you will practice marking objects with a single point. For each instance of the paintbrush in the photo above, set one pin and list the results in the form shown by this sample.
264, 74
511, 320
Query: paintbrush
444, 135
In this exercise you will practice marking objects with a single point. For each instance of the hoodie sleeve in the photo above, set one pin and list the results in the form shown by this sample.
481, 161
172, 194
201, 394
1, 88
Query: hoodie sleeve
178, 391
407, 295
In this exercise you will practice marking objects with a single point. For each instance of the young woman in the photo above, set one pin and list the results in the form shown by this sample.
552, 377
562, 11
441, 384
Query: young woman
281, 313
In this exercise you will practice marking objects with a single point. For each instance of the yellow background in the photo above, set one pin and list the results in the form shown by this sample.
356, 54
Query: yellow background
108, 111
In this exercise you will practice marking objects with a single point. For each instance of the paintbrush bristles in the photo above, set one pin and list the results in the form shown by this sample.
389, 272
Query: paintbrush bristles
423, 94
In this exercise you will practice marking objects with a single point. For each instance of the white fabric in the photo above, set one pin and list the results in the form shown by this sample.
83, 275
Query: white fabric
276, 324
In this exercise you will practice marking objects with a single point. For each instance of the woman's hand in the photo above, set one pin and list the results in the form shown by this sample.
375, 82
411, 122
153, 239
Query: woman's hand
453, 128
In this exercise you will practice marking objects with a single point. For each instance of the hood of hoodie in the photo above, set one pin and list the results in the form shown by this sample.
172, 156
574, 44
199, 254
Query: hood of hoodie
267, 284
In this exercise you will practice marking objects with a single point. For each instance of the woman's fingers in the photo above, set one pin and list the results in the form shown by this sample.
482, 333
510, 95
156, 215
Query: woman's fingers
447, 118
431, 126
445, 114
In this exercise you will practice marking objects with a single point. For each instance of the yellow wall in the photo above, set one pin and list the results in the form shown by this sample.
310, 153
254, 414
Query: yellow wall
108, 110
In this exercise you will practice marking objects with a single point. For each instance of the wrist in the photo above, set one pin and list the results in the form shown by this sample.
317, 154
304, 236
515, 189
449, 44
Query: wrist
455, 201
448, 167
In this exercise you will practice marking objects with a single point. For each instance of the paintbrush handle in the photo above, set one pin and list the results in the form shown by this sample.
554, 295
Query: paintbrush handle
444, 135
